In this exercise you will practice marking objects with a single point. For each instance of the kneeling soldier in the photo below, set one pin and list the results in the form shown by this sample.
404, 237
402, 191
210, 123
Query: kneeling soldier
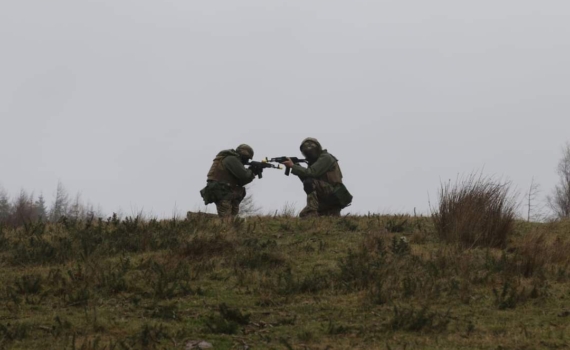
226, 180
322, 181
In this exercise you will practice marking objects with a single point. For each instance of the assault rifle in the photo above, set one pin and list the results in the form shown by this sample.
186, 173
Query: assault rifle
295, 160
257, 167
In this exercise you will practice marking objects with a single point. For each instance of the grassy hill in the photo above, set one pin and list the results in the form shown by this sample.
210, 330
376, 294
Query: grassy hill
372, 282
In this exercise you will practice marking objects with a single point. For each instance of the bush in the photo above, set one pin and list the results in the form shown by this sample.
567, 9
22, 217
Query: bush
559, 201
475, 211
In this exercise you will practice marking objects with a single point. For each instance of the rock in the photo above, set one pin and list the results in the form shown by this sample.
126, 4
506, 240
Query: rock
198, 344
200, 215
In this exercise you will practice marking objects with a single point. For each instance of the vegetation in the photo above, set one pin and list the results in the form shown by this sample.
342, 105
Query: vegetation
387, 282
475, 211
24, 208
470, 276
559, 200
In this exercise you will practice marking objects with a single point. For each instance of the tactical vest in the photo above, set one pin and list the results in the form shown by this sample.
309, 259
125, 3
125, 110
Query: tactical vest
334, 175
219, 173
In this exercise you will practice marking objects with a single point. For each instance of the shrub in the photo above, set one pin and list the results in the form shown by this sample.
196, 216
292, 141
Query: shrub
475, 211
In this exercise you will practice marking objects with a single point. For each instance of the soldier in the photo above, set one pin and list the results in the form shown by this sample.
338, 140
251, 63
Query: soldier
322, 181
226, 180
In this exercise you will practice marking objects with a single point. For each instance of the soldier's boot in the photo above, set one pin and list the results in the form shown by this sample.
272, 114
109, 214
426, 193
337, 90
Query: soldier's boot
235, 207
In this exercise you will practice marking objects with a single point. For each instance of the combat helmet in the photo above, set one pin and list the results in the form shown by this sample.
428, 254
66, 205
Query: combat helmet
245, 150
311, 148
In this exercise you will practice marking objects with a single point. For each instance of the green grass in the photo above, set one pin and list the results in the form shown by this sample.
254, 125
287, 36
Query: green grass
371, 282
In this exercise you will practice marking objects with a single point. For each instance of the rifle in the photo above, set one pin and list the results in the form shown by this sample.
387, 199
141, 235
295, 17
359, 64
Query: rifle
257, 167
295, 160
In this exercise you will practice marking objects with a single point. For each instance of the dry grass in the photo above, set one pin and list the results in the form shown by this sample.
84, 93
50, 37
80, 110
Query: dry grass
475, 212
371, 282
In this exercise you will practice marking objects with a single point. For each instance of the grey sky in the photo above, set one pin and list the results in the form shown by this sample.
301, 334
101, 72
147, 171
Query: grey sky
127, 102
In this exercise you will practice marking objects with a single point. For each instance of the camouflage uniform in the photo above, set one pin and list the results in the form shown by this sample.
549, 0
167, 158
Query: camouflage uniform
226, 179
322, 181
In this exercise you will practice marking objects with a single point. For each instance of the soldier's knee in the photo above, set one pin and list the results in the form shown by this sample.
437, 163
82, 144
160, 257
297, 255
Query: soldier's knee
308, 185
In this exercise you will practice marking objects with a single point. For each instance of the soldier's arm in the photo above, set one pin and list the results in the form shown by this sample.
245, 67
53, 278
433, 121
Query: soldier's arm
318, 169
236, 168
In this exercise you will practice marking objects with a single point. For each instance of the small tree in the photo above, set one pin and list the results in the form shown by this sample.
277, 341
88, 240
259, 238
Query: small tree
40, 208
77, 210
90, 212
534, 210
60, 206
559, 201
5, 206
23, 209
248, 207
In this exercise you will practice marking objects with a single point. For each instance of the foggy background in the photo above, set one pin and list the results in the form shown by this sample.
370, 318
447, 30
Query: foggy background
128, 102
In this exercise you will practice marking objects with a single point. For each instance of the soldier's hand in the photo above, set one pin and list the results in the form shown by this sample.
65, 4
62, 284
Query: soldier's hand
288, 163
255, 170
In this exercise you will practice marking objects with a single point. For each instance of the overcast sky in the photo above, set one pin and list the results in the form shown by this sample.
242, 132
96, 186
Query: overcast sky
128, 101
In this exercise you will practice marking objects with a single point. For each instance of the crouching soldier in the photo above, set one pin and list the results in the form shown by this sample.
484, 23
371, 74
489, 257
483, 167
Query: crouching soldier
322, 181
226, 180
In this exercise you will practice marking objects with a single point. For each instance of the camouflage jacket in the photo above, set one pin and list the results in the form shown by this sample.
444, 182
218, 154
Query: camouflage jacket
228, 168
325, 168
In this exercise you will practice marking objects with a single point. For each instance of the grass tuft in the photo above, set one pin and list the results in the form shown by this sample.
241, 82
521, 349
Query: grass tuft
475, 212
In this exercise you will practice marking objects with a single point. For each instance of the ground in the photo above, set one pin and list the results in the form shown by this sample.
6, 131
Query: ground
369, 282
